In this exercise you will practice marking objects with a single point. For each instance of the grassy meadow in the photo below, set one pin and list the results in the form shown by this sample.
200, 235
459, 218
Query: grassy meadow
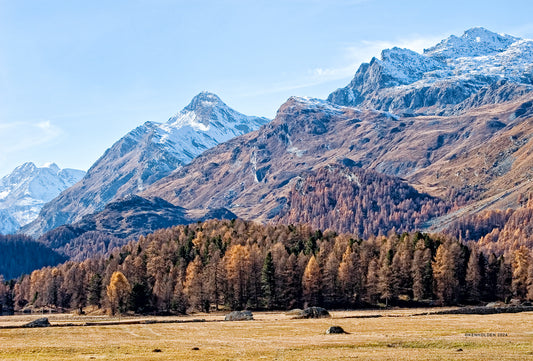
398, 335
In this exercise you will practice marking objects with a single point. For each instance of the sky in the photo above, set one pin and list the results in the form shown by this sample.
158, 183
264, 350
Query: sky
76, 76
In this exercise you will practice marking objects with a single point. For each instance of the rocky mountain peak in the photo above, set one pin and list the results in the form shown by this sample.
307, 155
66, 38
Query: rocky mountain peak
405, 66
204, 109
204, 100
444, 76
474, 42
19, 173
34, 179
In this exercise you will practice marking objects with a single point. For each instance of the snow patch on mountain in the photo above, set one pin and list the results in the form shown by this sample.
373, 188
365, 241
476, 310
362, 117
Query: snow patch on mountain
314, 104
405, 66
24, 192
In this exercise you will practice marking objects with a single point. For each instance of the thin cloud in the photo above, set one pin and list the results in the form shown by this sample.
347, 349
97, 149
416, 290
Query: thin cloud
354, 55
363, 53
281, 88
25, 135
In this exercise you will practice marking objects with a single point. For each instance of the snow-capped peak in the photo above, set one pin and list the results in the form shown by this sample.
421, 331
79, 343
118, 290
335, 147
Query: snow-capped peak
202, 124
19, 174
204, 100
406, 66
474, 42
443, 76
206, 110
28, 188
24, 168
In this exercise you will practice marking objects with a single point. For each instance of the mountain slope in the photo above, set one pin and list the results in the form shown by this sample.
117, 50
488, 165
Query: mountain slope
252, 174
118, 223
145, 155
24, 192
497, 231
358, 201
434, 82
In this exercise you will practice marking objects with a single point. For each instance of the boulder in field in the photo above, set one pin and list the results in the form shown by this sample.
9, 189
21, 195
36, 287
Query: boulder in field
294, 312
239, 316
40, 322
335, 329
313, 312
497, 304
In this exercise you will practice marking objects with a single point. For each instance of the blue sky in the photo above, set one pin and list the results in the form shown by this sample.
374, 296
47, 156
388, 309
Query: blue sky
75, 76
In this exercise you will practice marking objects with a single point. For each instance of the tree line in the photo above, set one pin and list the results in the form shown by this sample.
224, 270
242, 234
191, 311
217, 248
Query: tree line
244, 265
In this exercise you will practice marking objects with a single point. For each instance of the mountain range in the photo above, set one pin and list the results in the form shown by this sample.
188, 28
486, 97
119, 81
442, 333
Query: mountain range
437, 136
252, 175
494, 67
471, 145
25, 191
143, 156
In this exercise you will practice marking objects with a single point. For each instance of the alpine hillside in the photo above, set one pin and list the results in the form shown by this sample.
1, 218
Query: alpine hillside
145, 155
25, 191
253, 174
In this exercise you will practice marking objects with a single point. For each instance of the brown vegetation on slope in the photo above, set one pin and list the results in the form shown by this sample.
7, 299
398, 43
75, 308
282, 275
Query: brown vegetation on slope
358, 201
499, 232
479, 153
499, 167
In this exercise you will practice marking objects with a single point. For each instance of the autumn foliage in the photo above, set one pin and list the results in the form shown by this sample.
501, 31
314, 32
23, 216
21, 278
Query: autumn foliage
118, 293
238, 264
497, 231
358, 201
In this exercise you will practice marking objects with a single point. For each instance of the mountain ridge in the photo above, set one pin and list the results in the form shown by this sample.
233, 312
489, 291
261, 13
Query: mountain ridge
120, 222
404, 81
143, 156
252, 174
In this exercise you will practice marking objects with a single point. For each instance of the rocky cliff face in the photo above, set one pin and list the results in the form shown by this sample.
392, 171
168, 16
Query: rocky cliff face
145, 155
444, 76
24, 192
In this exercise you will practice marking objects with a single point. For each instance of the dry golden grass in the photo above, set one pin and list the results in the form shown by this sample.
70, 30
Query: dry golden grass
274, 336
